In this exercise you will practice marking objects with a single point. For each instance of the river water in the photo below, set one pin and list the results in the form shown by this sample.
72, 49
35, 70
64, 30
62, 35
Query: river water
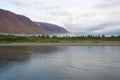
60, 63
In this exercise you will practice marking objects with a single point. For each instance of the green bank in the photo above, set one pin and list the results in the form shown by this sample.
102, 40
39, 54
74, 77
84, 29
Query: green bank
55, 39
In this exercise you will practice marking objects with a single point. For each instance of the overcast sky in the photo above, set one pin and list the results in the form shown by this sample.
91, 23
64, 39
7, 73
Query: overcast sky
74, 15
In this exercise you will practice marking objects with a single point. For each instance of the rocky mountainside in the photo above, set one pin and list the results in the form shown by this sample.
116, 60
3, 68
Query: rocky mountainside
51, 28
18, 24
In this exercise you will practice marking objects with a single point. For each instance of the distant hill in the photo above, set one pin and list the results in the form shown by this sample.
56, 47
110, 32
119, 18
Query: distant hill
51, 28
18, 24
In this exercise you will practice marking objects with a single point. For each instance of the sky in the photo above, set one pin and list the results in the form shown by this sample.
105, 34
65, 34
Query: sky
100, 16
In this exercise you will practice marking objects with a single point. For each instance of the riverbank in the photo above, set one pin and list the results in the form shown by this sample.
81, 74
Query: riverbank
59, 40
62, 44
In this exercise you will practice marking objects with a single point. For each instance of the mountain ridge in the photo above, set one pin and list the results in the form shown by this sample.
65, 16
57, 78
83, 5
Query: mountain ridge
20, 24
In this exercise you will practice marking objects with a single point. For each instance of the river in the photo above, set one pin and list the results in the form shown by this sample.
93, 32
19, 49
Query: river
60, 63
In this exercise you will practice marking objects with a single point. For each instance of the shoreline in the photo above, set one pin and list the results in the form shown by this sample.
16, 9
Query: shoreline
62, 44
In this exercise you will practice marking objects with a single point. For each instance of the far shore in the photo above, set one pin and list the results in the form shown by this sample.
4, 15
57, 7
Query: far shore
63, 44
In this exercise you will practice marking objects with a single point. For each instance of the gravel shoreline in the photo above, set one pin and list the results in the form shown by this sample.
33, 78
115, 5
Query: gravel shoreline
62, 44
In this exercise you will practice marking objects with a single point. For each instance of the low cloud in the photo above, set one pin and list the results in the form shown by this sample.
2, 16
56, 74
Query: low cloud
106, 27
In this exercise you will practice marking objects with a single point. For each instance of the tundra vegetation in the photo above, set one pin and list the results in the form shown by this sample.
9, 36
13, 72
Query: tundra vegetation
55, 39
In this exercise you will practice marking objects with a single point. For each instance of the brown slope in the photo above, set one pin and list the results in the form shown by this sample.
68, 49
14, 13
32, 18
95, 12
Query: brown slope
13, 23
52, 28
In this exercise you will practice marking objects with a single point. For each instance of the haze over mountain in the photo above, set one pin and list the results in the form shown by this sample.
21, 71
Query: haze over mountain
19, 24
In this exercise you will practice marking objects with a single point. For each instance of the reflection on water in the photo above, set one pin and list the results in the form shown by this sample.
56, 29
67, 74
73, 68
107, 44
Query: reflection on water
60, 63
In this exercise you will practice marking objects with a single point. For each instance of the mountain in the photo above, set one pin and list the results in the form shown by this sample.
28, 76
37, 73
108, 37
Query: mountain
51, 28
19, 24
13, 23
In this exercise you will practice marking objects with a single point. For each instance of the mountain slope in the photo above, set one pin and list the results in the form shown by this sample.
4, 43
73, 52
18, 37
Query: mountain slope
52, 28
18, 24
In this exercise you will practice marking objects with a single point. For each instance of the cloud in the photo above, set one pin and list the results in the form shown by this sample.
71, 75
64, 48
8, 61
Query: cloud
98, 27
109, 29
74, 15
44, 7
61, 13
109, 4
113, 27
20, 3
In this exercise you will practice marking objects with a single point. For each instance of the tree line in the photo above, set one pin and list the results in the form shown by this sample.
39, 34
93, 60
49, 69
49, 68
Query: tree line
54, 38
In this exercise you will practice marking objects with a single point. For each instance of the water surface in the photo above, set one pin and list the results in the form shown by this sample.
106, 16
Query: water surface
60, 63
